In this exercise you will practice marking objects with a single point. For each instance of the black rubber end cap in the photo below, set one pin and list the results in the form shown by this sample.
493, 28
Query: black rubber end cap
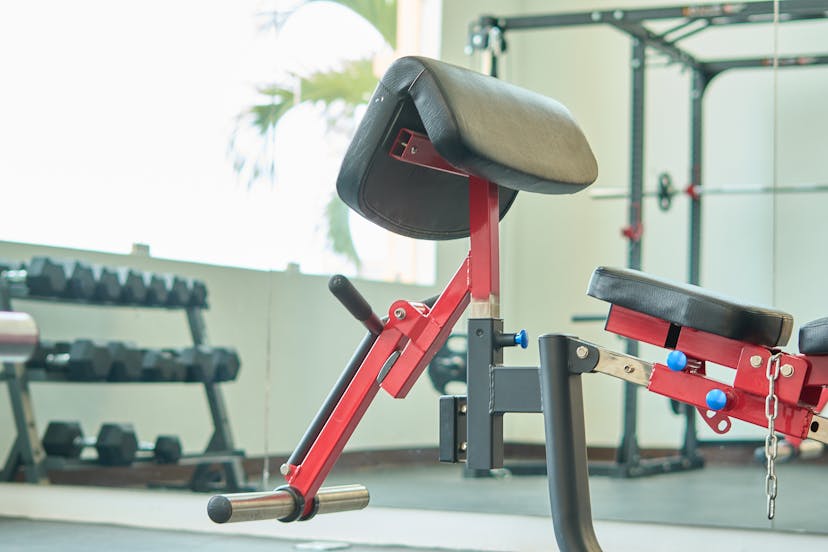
219, 509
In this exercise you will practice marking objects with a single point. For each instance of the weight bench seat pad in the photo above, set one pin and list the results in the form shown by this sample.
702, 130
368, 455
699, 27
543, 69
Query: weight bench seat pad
813, 337
483, 126
691, 306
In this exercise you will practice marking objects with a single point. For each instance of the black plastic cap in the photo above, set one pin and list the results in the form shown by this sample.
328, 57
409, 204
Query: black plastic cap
219, 509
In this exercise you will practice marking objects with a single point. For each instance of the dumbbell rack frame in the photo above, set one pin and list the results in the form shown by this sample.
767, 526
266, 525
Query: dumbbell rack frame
27, 451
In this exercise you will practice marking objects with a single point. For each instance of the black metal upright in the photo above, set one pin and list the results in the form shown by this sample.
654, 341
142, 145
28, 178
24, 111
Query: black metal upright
627, 455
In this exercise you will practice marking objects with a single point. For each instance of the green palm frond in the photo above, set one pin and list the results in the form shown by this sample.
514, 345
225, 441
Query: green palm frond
352, 84
339, 231
381, 13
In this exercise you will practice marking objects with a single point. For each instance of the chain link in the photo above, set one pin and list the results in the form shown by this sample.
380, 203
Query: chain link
771, 440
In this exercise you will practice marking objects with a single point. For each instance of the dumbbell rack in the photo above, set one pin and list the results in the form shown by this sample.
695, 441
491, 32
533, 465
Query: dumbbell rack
27, 453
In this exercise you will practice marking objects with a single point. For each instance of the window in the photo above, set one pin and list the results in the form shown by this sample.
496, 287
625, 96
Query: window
125, 123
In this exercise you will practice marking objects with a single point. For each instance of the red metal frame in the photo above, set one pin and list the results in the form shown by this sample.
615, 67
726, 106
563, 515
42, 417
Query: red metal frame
413, 333
798, 394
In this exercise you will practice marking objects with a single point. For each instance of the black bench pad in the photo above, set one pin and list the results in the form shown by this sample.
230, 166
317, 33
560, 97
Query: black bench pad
483, 126
691, 306
813, 337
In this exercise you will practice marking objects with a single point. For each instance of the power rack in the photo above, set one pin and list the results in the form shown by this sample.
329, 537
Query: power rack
488, 35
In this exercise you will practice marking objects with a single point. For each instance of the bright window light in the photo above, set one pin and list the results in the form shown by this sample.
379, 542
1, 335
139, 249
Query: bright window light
117, 119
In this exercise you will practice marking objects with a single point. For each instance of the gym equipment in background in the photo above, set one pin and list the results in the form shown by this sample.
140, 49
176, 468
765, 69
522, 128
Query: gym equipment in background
488, 35
439, 132
218, 467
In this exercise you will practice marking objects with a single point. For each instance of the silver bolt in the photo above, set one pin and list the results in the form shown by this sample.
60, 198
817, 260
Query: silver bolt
581, 352
629, 369
786, 370
463, 409
595, 16
463, 446
756, 361
399, 313
284, 469
413, 150
618, 14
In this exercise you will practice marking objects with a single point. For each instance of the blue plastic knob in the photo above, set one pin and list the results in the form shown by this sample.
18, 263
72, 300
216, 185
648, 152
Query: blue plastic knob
522, 339
676, 361
716, 399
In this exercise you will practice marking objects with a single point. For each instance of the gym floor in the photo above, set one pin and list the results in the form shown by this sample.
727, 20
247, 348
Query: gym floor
433, 508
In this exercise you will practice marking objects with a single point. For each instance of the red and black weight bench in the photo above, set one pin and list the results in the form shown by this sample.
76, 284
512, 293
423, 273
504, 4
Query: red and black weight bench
441, 154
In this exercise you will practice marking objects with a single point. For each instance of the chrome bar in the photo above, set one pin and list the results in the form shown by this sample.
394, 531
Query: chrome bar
232, 508
819, 429
625, 367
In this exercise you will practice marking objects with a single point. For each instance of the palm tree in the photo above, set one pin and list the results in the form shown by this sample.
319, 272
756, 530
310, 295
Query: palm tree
351, 84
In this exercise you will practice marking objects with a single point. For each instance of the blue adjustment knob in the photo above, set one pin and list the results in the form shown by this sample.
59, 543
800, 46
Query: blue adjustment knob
716, 399
676, 361
522, 339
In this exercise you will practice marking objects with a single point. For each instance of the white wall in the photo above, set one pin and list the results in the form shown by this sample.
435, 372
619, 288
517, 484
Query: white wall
549, 247
551, 244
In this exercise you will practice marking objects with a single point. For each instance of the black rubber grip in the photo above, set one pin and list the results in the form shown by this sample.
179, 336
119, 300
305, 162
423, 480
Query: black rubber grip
356, 304
219, 509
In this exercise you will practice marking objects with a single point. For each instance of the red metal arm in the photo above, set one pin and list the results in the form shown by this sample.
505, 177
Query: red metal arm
413, 333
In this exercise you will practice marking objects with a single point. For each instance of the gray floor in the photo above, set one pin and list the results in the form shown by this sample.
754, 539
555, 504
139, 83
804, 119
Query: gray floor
716, 496
31, 535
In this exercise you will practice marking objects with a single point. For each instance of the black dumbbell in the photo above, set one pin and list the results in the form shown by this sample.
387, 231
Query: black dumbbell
199, 363
227, 363
116, 445
157, 291
207, 364
133, 287
43, 350
42, 276
180, 291
84, 361
126, 362
107, 285
80, 281
162, 365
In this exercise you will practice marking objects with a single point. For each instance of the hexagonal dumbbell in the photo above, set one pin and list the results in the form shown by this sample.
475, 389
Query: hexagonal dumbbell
116, 444
85, 361
42, 277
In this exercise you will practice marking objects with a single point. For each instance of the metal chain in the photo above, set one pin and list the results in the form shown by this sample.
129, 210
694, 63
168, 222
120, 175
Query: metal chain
771, 441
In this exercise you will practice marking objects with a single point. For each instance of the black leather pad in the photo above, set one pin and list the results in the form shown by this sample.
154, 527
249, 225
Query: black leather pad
691, 306
483, 126
813, 337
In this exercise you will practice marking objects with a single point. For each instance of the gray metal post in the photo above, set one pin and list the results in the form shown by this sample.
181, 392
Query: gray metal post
222, 438
628, 452
566, 459
484, 428
698, 86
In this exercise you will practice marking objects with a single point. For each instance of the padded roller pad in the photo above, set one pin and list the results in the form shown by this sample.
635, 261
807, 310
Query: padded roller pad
691, 306
485, 127
813, 337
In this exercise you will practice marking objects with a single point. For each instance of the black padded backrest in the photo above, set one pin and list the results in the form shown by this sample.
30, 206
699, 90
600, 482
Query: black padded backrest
483, 126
